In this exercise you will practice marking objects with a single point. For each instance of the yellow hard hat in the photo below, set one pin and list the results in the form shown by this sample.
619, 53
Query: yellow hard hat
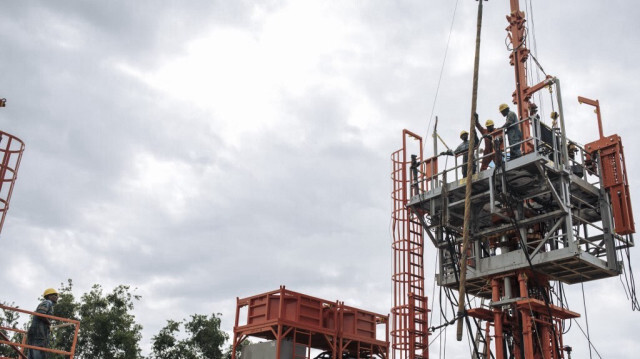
488, 123
463, 133
49, 291
503, 107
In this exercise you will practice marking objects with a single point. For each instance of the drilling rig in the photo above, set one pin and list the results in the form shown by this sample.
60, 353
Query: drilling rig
548, 210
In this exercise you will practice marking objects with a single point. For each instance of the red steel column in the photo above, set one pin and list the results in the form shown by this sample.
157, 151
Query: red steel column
527, 323
497, 318
518, 59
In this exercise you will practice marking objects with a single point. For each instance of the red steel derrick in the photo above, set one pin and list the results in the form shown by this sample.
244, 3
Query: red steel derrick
558, 214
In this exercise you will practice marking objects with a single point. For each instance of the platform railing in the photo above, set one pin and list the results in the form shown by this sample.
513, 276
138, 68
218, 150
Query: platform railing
22, 347
546, 142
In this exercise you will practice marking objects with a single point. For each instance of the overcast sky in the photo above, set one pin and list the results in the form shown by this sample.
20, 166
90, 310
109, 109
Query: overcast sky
204, 150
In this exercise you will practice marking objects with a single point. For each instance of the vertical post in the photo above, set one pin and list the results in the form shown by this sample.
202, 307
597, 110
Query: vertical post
596, 104
518, 58
487, 345
547, 350
527, 333
497, 318
235, 334
469, 179
279, 341
412, 324
435, 138
563, 133
75, 340
279, 331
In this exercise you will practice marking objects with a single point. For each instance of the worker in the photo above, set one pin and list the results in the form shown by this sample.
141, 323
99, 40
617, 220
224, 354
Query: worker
488, 143
533, 112
463, 149
415, 182
576, 168
572, 149
39, 330
513, 130
534, 117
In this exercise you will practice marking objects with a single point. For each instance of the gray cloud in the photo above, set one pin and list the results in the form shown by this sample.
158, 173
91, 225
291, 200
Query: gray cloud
123, 182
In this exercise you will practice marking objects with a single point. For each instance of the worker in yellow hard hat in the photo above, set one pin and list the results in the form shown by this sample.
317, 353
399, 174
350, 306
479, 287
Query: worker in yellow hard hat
488, 143
462, 149
39, 331
513, 130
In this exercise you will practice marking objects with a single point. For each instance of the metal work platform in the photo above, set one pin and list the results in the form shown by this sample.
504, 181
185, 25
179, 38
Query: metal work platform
550, 202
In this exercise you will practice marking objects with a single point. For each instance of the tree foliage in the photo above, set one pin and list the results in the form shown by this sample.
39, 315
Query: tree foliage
67, 307
9, 319
108, 329
204, 339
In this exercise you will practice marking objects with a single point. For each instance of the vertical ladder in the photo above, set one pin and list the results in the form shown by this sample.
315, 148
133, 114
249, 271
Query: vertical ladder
409, 330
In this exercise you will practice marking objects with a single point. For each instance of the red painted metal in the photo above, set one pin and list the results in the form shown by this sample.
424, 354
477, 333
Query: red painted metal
430, 169
614, 173
311, 322
22, 346
531, 323
614, 180
409, 330
537, 323
518, 59
11, 149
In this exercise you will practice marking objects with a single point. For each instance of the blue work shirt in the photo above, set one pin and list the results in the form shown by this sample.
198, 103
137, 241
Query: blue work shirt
39, 330
513, 130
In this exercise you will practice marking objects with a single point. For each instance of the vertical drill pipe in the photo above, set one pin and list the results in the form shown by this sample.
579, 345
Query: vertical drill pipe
467, 198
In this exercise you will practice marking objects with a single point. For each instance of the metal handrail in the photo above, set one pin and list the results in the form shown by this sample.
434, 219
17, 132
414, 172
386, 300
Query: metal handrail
24, 346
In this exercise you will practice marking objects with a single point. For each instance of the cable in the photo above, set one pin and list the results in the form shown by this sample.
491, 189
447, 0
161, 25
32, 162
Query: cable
535, 48
630, 281
433, 291
444, 60
590, 343
449, 292
586, 317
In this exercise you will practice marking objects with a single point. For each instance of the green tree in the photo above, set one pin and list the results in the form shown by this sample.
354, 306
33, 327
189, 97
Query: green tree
227, 353
167, 346
108, 329
204, 339
206, 335
9, 319
66, 307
